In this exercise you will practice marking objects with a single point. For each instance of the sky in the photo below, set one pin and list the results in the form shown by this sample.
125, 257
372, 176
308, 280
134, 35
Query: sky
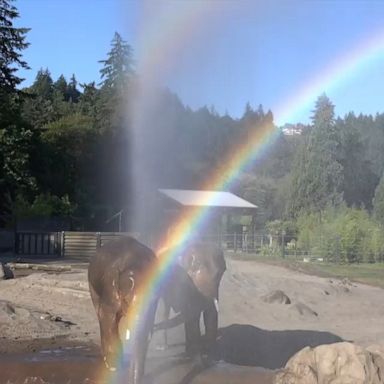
222, 53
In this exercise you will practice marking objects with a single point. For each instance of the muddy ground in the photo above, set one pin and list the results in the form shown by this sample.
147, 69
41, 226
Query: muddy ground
49, 331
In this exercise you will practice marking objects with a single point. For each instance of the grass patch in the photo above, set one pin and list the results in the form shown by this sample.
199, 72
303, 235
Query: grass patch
372, 274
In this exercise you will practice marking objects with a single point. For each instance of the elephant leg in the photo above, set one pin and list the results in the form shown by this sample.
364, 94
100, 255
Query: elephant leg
140, 341
106, 325
192, 335
166, 313
109, 335
164, 324
211, 326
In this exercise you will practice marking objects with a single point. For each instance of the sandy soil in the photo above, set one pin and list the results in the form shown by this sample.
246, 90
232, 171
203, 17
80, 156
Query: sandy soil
53, 312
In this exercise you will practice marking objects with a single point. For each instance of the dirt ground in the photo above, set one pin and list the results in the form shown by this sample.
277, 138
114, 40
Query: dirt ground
48, 328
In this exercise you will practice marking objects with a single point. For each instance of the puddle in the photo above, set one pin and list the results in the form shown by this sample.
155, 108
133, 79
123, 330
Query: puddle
83, 365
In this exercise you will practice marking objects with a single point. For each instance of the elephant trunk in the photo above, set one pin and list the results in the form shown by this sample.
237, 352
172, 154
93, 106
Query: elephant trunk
136, 343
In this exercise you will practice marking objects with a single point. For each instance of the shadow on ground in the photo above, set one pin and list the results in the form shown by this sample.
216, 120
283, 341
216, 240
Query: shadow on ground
247, 345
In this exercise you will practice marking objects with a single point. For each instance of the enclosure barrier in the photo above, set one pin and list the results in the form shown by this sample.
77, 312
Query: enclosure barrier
61, 244
84, 244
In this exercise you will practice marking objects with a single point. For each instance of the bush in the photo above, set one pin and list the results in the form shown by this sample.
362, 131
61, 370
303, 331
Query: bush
341, 234
44, 205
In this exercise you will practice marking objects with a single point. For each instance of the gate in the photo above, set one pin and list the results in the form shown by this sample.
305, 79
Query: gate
84, 244
38, 244
62, 244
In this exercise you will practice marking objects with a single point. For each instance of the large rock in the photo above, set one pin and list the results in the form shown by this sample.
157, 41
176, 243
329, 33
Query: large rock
277, 296
5, 272
339, 363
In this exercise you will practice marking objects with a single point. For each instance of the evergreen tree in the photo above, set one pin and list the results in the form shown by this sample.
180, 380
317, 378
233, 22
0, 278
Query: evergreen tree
378, 202
12, 43
73, 93
15, 137
118, 68
61, 86
359, 178
43, 84
117, 74
318, 175
89, 101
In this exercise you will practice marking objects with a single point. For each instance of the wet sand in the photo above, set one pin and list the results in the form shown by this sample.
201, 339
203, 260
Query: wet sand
49, 331
83, 365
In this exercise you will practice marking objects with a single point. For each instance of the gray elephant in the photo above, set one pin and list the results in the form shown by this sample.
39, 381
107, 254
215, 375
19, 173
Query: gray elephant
116, 276
192, 289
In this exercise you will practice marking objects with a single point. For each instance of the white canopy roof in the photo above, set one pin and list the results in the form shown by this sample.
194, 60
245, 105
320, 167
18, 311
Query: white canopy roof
206, 198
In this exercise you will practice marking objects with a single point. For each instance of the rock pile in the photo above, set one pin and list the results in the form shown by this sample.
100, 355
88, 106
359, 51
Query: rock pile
339, 363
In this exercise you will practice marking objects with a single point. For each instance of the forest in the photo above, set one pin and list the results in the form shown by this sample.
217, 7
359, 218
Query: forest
66, 150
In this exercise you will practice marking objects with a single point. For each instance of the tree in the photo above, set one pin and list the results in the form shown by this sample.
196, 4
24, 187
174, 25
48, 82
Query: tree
378, 202
43, 84
359, 178
69, 141
61, 86
117, 75
15, 137
118, 68
12, 43
317, 179
89, 101
73, 93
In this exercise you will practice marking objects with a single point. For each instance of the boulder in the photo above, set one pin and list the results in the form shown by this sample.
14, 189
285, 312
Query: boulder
5, 272
304, 310
339, 363
276, 297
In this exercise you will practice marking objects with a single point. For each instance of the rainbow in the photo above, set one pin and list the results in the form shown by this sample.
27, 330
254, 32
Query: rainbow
337, 73
238, 160
243, 154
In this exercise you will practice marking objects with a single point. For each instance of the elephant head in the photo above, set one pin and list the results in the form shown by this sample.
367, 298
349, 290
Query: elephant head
117, 275
206, 265
194, 289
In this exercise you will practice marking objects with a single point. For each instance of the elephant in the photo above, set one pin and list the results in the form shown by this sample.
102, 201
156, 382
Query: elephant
116, 275
192, 289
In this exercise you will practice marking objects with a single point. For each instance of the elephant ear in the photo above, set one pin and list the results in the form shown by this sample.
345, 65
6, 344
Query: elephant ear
126, 286
191, 259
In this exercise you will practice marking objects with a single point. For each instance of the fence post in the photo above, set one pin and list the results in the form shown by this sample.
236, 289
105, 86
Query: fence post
62, 239
16, 243
282, 244
235, 242
98, 240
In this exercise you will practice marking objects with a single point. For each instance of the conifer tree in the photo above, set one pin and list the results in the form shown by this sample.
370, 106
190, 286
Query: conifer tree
318, 175
118, 68
12, 44
15, 138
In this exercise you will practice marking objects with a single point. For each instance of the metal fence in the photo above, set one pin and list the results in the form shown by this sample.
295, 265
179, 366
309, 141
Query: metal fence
84, 244
265, 245
61, 244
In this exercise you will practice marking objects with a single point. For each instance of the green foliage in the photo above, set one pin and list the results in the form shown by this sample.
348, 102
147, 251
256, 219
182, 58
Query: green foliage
378, 202
12, 43
68, 148
44, 205
56, 140
270, 251
118, 69
359, 178
14, 161
341, 234
317, 178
